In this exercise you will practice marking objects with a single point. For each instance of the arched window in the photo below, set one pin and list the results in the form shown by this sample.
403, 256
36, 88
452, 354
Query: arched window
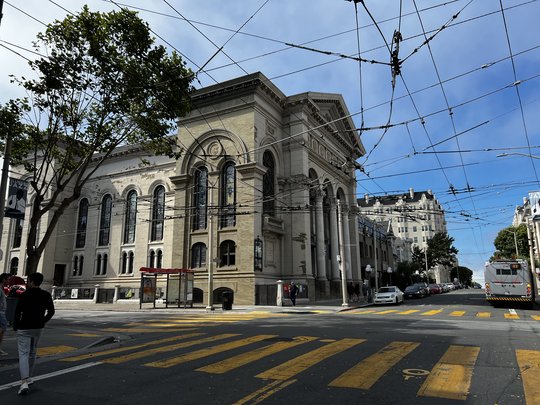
82, 222
105, 221
200, 197
159, 259
131, 217
268, 184
98, 265
75, 266
14, 266
198, 255
17, 235
124, 263
130, 262
104, 266
227, 253
158, 213
228, 196
81, 264
152, 259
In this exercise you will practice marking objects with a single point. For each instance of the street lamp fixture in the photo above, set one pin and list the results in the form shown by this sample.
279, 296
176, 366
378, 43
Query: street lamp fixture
389, 271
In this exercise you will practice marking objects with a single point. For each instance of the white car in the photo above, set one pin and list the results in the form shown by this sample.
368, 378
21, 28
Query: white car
388, 295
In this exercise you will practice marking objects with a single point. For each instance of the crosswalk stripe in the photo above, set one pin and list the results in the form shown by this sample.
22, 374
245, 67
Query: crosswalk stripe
152, 330
388, 311
169, 348
263, 393
457, 313
51, 350
173, 361
295, 366
529, 364
432, 312
365, 311
451, 377
511, 316
409, 311
128, 348
535, 317
251, 356
483, 314
368, 371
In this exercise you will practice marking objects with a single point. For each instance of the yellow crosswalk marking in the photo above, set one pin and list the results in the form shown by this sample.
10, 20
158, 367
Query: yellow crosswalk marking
535, 317
88, 335
207, 351
483, 314
409, 311
529, 364
128, 348
451, 377
263, 393
511, 316
251, 356
151, 330
388, 311
295, 366
457, 313
365, 311
432, 312
368, 371
51, 350
164, 349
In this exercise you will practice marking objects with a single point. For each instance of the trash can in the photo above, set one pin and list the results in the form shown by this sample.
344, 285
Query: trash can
10, 308
227, 300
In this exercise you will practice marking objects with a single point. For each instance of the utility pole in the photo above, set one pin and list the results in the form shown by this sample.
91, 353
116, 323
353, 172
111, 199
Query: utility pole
3, 181
376, 261
341, 257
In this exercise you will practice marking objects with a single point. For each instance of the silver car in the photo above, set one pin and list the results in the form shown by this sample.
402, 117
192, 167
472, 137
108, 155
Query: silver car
388, 295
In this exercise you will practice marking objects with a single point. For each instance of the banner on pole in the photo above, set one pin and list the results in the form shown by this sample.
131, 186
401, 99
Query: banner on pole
16, 202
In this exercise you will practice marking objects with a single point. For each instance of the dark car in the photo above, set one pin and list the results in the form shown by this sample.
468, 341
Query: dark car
415, 291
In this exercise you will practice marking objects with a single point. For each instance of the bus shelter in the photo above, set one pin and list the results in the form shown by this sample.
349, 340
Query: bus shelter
178, 285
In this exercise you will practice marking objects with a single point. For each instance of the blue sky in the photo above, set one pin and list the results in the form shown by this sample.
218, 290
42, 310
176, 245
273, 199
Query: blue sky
454, 108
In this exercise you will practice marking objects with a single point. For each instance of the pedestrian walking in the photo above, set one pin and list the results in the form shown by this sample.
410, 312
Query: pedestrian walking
293, 292
3, 308
34, 309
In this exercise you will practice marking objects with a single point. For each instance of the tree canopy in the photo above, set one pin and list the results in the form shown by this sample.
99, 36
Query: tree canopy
105, 83
509, 239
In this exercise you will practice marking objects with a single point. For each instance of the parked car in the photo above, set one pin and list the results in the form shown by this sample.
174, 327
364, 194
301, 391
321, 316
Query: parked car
435, 289
388, 295
424, 287
415, 291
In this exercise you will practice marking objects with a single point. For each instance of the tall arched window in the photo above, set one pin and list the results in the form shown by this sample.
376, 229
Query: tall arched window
200, 196
198, 255
105, 221
152, 259
227, 253
131, 217
105, 263
98, 265
75, 266
159, 259
268, 184
82, 222
130, 262
158, 213
228, 196
14, 266
123, 270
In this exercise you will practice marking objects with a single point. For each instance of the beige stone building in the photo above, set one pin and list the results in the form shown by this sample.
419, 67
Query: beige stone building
252, 200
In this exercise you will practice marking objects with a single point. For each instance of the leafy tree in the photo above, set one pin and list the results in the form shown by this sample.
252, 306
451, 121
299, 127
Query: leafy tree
508, 238
440, 250
103, 84
463, 274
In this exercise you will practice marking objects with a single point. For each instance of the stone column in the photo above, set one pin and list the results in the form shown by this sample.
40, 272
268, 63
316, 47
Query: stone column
96, 291
279, 298
347, 243
334, 241
319, 225
116, 293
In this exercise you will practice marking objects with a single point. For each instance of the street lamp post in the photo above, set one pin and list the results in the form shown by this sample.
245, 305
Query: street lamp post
368, 275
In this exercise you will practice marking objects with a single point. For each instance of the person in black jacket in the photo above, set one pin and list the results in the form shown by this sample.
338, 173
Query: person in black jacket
34, 309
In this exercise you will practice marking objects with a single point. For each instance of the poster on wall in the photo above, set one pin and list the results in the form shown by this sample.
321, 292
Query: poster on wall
148, 289
16, 201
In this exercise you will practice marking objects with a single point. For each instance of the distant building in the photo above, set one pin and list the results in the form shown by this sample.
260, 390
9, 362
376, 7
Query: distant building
414, 218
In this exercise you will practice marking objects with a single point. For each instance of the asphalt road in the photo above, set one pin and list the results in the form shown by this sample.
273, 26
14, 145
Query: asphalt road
444, 349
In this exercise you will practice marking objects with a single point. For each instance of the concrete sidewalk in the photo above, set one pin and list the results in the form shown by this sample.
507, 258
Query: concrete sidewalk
129, 306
